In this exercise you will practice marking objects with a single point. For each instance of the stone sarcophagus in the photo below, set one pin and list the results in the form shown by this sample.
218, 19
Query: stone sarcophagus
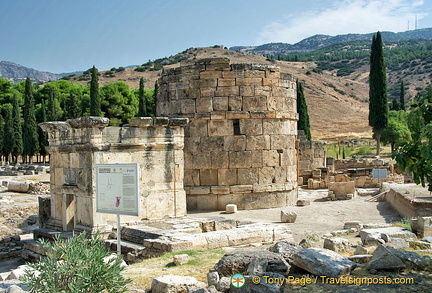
77, 145
240, 144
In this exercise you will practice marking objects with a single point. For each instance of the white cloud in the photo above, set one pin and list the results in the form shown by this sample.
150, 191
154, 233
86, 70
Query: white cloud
345, 16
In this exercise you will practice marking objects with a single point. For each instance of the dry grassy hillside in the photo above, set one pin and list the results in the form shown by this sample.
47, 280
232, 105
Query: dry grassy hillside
337, 106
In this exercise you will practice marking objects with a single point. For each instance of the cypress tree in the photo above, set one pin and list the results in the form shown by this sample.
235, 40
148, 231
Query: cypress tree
43, 136
152, 106
17, 137
72, 105
378, 101
8, 141
95, 102
2, 127
402, 97
51, 113
302, 110
30, 135
142, 106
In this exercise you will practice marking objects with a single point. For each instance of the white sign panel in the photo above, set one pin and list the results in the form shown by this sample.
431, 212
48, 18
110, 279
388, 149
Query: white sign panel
379, 173
117, 189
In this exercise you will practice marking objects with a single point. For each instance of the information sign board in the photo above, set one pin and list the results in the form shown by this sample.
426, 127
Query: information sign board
379, 173
117, 189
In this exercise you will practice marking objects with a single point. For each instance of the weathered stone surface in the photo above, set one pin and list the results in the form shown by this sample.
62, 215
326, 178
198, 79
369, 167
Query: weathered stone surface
239, 261
288, 216
88, 122
337, 244
212, 278
323, 262
383, 259
342, 189
180, 259
374, 236
19, 186
223, 284
286, 249
173, 284
420, 244
361, 250
410, 258
360, 258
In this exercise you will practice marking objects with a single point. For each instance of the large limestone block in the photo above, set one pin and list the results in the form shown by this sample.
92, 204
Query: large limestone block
288, 216
174, 284
337, 244
383, 259
342, 189
392, 232
323, 262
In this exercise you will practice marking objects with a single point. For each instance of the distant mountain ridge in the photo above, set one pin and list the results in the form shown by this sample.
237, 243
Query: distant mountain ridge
319, 41
15, 72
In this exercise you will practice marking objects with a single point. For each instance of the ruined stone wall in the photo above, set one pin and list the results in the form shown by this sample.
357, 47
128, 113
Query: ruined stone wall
77, 145
240, 142
311, 153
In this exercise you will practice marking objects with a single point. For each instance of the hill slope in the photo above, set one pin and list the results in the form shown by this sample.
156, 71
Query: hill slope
337, 106
15, 72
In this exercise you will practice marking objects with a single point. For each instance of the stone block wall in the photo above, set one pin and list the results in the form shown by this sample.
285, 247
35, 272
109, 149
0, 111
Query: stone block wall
311, 155
240, 142
77, 145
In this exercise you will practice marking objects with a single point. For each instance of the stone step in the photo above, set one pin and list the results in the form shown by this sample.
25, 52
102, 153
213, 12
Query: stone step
126, 246
50, 234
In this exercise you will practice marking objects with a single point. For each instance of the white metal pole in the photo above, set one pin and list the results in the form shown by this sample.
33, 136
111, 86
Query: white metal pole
118, 235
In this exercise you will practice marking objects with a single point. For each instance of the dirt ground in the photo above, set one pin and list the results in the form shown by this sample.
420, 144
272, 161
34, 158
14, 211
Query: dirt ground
321, 216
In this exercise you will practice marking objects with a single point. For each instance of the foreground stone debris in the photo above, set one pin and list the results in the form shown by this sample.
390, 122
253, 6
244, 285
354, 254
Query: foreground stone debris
172, 284
323, 262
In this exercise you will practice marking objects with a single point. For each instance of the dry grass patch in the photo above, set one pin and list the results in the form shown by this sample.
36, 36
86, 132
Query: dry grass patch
200, 262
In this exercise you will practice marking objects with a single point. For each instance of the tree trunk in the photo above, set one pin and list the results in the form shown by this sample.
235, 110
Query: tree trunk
378, 140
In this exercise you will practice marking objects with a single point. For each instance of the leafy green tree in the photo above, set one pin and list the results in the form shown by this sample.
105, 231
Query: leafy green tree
30, 136
76, 265
378, 101
142, 100
95, 100
303, 122
416, 156
397, 132
72, 106
118, 102
402, 96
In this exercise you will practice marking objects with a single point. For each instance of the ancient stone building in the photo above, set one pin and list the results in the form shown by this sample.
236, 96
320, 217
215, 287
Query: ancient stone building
240, 142
77, 145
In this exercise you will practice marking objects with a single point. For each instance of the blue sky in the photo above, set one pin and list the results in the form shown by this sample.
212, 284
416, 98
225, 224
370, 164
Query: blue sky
72, 35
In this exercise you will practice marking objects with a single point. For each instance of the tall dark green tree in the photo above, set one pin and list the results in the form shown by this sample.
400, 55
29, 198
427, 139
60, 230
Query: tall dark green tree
142, 100
42, 135
378, 101
153, 104
30, 135
17, 135
95, 100
302, 110
8, 140
51, 112
402, 96
72, 106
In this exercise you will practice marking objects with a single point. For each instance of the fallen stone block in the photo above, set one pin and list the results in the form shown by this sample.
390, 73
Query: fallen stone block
341, 190
323, 262
172, 283
286, 249
360, 258
239, 261
337, 244
19, 186
361, 250
353, 224
224, 284
231, 208
288, 216
303, 202
383, 259
418, 245
410, 258
397, 243
369, 235
180, 259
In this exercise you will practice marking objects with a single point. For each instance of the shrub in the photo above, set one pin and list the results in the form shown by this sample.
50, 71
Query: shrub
76, 265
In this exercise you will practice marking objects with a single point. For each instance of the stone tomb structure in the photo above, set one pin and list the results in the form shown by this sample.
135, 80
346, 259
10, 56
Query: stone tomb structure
77, 145
240, 144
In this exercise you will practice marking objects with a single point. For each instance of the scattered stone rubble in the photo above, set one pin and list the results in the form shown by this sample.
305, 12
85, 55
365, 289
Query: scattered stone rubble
285, 258
19, 170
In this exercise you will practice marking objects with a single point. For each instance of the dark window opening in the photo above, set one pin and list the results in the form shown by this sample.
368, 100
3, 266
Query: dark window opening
236, 125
